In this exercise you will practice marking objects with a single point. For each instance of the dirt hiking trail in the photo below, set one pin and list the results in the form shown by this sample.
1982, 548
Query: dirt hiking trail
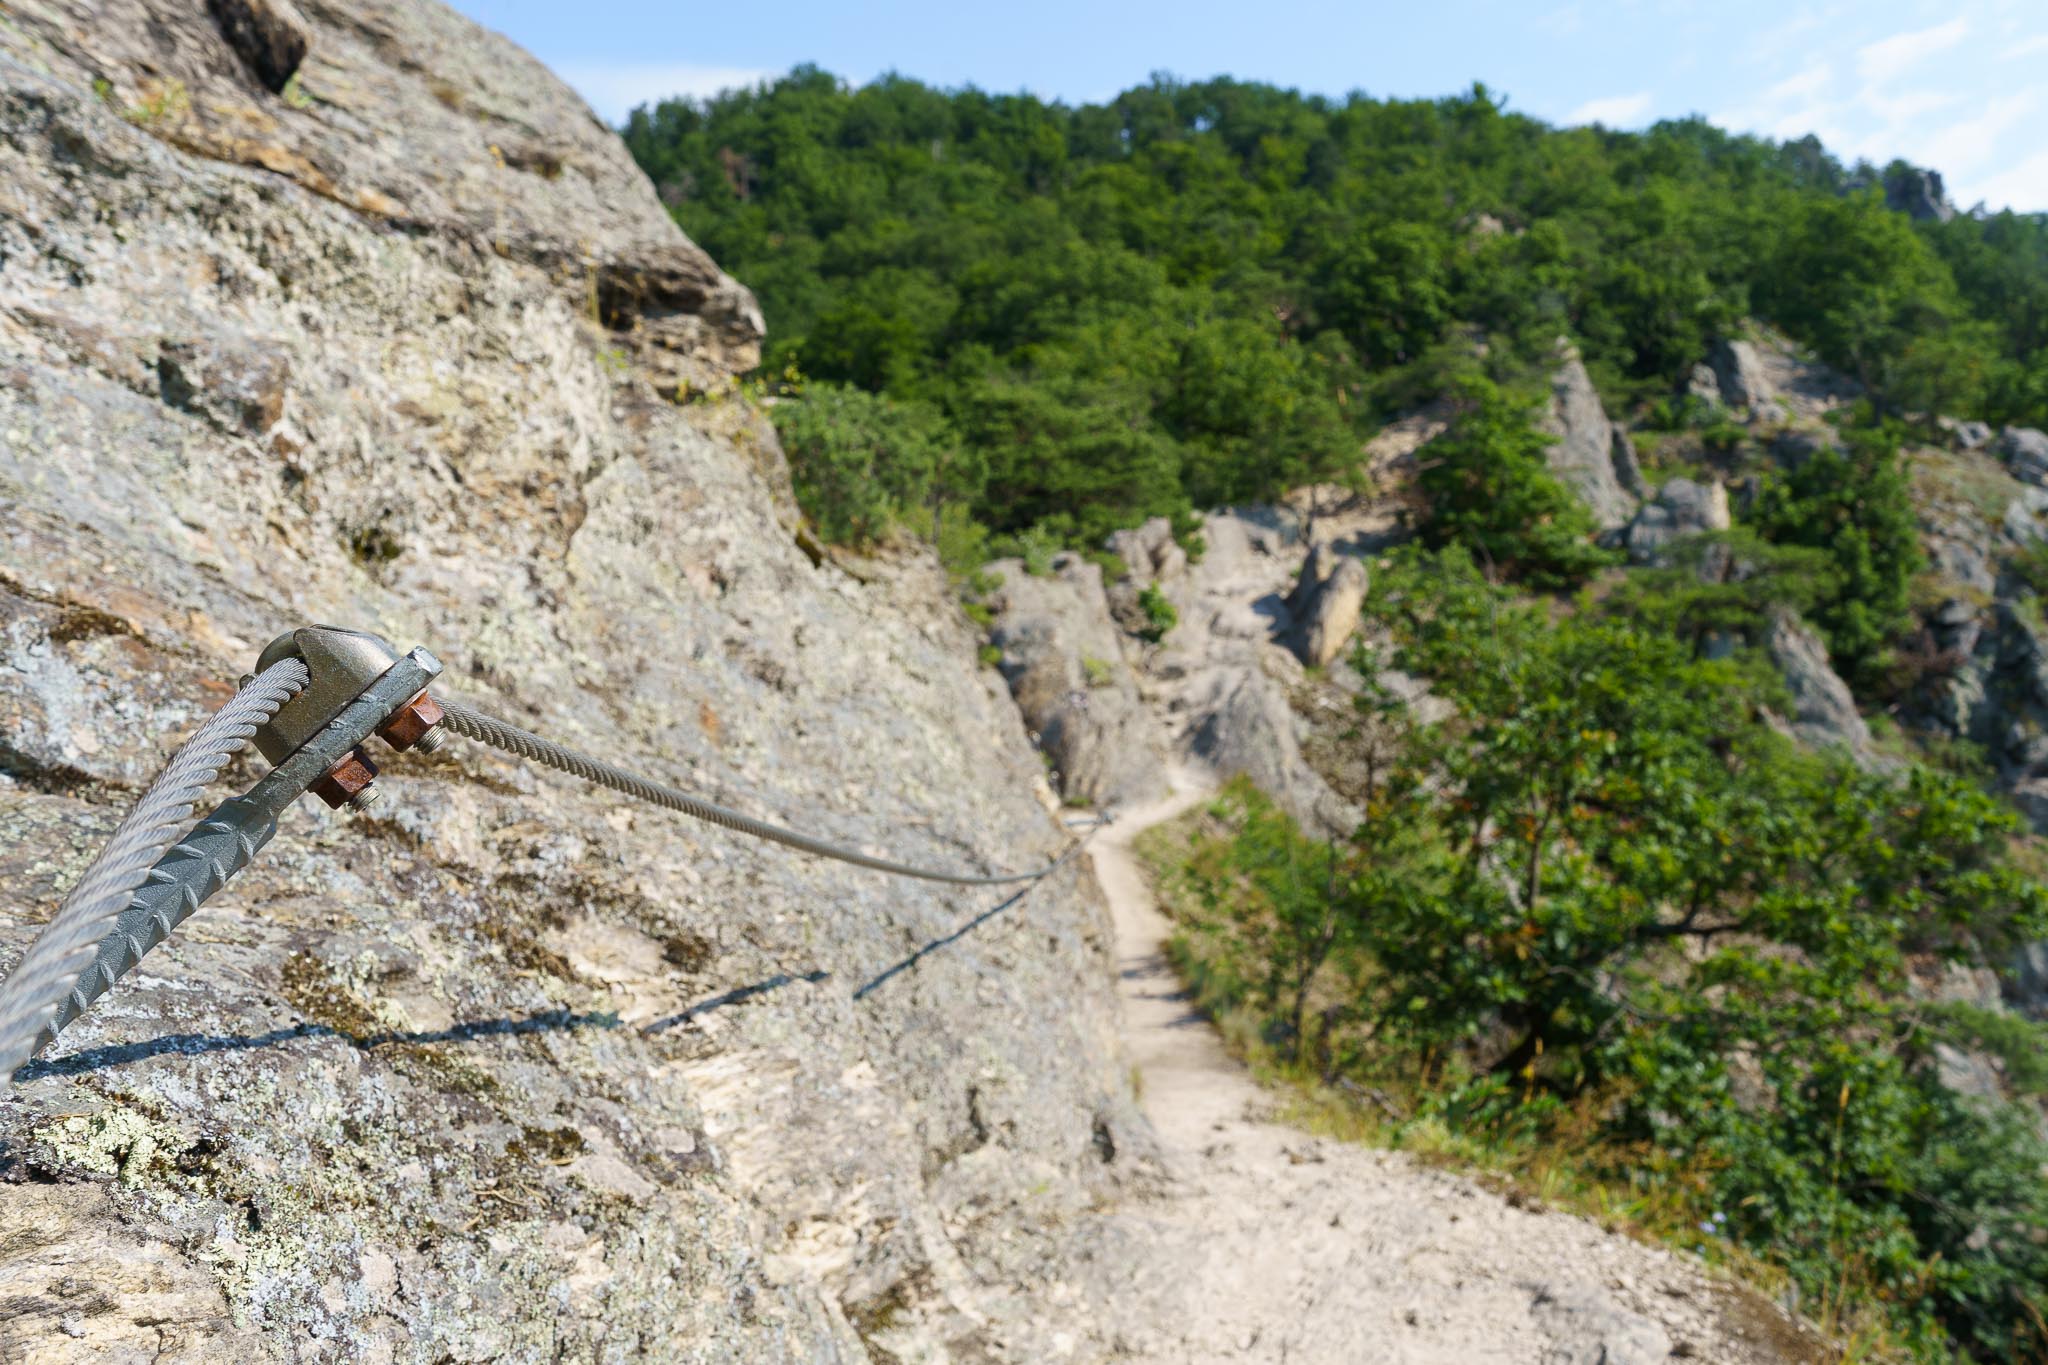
1273, 1244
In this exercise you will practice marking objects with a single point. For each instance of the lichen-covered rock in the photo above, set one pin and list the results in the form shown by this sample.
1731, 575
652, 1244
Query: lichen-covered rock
516, 1069
1824, 713
1063, 658
2025, 452
1583, 455
1150, 552
1682, 508
1739, 374
1967, 435
1326, 604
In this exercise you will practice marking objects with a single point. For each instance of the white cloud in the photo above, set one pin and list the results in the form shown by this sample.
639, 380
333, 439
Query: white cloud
2025, 47
1960, 147
1888, 57
613, 88
2022, 188
1614, 111
1805, 84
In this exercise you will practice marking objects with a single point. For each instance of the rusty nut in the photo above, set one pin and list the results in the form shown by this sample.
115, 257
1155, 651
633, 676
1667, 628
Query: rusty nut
412, 725
347, 783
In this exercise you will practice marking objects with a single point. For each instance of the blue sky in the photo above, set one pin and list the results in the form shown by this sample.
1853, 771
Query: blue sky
1959, 85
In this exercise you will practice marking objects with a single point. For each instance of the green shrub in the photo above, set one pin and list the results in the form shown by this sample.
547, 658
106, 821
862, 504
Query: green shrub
862, 464
1160, 617
1490, 491
1855, 506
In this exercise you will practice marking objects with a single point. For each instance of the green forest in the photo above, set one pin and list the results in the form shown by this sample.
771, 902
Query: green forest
1605, 922
1201, 293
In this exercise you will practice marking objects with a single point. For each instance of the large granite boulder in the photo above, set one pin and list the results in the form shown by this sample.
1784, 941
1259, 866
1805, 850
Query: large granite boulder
2025, 452
1583, 456
1062, 656
1681, 508
1326, 603
1824, 713
1740, 374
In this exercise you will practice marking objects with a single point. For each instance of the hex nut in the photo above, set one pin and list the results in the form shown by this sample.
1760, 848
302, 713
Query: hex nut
413, 725
346, 780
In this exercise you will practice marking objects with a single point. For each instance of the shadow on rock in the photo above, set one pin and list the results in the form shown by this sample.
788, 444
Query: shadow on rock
194, 1044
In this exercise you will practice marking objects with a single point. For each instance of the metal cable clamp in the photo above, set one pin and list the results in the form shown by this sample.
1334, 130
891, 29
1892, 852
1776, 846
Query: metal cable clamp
359, 686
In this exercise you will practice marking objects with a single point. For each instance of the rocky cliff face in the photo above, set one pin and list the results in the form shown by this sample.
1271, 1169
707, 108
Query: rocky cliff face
396, 339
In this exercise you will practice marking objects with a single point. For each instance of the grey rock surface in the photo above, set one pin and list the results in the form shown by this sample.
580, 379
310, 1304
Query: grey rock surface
1967, 435
1767, 378
1917, 193
1740, 375
1824, 714
1222, 682
1583, 455
1150, 552
1063, 658
1702, 383
1585, 1328
513, 1070
1326, 603
2025, 452
1681, 508
1628, 470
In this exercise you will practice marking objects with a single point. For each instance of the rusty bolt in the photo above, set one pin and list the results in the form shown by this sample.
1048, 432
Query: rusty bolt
412, 726
347, 783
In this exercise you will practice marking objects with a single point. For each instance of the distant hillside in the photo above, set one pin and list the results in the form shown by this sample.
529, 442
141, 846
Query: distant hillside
1200, 293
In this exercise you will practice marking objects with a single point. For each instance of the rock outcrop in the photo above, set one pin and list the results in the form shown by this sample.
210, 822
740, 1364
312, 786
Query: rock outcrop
1824, 714
2025, 452
1765, 378
1063, 658
1917, 193
1326, 603
514, 1069
1739, 375
1681, 508
1584, 455
1150, 553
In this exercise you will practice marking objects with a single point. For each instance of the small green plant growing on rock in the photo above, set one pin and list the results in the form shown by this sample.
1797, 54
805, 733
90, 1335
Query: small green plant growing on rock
1160, 617
294, 94
1036, 547
1098, 672
165, 103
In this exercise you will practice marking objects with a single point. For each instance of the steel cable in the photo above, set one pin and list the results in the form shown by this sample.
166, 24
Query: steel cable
68, 945
485, 729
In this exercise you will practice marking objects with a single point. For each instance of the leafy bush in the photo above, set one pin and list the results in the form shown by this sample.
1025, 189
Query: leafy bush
861, 463
1491, 492
1160, 617
1855, 505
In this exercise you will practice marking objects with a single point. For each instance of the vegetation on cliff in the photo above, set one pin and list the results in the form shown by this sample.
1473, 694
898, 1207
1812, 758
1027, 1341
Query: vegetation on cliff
1197, 294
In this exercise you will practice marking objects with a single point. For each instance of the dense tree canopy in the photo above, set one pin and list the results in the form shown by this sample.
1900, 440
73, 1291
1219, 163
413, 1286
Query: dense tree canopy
1199, 293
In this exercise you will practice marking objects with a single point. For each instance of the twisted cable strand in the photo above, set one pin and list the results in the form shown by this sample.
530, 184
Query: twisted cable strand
68, 945
486, 729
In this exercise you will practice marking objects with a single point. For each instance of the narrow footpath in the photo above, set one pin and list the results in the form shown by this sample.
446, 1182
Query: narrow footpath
1272, 1244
